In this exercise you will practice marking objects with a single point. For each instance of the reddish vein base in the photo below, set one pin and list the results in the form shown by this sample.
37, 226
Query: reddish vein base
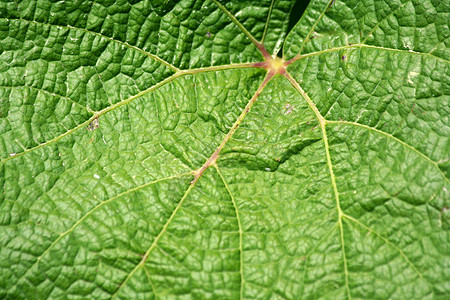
274, 66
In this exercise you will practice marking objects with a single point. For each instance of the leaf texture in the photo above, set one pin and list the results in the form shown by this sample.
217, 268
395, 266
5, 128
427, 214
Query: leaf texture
160, 150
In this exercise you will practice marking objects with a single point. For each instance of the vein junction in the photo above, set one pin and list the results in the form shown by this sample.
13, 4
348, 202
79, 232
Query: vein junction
277, 66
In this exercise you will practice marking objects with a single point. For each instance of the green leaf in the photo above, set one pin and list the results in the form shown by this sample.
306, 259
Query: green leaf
160, 150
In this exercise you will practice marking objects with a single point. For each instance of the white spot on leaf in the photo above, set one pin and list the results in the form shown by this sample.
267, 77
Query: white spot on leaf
96, 176
289, 108
411, 76
407, 45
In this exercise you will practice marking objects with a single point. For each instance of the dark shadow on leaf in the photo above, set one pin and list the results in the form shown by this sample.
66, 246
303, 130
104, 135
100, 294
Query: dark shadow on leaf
296, 13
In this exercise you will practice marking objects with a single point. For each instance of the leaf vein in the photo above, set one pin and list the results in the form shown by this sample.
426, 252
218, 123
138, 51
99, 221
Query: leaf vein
322, 123
438, 44
155, 57
267, 21
314, 26
313, 248
51, 94
367, 46
155, 241
94, 209
350, 218
241, 27
241, 249
378, 24
395, 139
147, 273
126, 101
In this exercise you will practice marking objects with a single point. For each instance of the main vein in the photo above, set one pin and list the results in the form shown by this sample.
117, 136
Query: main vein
266, 27
212, 159
322, 123
198, 173
355, 46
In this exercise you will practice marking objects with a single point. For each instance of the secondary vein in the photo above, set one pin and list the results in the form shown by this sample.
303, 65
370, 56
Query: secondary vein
155, 241
241, 249
212, 159
258, 45
128, 100
435, 164
46, 251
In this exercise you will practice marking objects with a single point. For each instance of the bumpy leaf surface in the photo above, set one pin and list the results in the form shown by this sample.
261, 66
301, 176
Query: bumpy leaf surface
159, 150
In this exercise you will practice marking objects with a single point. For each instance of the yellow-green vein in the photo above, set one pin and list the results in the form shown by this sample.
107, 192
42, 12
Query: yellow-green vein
258, 45
51, 94
102, 203
390, 244
379, 22
322, 123
241, 249
354, 46
155, 241
314, 26
147, 273
435, 164
267, 22
153, 56
128, 100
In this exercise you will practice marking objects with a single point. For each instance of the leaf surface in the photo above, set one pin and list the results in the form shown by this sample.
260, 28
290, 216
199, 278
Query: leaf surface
160, 150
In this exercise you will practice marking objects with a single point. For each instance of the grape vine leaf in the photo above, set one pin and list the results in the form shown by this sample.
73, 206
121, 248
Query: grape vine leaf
161, 150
